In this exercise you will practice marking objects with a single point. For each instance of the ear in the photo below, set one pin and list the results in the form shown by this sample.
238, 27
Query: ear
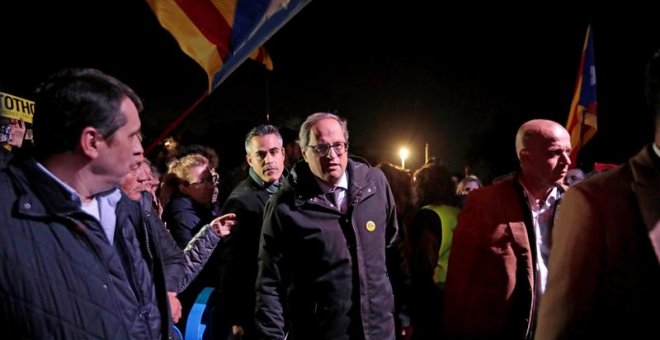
90, 141
248, 158
303, 152
183, 188
524, 154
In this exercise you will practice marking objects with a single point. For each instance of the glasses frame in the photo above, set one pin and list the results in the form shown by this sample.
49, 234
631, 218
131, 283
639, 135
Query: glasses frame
214, 179
317, 148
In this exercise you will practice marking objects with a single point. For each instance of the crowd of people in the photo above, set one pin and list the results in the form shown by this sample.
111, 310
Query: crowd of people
309, 241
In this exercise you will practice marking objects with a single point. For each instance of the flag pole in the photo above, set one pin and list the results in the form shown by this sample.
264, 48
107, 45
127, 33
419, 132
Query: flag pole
175, 123
267, 98
584, 103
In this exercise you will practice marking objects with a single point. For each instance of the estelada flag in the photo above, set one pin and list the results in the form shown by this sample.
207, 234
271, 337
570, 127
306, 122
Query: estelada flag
582, 119
220, 34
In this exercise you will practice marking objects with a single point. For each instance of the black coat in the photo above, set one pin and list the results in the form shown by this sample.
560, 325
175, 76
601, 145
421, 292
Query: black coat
60, 278
184, 218
234, 299
5, 157
322, 274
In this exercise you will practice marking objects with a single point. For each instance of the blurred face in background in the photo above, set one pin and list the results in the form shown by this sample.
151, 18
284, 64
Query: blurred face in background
573, 176
469, 187
201, 184
131, 187
137, 181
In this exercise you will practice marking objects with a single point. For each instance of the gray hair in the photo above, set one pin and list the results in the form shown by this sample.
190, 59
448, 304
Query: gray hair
261, 130
522, 139
314, 118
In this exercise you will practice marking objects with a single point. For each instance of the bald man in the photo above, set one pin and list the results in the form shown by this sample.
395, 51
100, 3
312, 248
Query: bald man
604, 280
498, 265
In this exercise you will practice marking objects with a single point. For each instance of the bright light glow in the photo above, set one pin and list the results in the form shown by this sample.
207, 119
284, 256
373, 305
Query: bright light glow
403, 153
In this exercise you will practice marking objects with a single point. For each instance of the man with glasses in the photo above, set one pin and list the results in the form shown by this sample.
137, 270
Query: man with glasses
233, 301
322, 269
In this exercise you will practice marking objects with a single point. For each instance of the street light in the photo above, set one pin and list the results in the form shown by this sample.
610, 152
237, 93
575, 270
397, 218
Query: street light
403, 153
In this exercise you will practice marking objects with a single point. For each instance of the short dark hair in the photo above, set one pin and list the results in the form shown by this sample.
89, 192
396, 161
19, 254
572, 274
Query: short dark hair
433, 185
261, 130
401, 184
74, 99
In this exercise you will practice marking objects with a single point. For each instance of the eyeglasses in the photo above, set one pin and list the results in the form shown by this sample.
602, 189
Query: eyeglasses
323, 149
214, 179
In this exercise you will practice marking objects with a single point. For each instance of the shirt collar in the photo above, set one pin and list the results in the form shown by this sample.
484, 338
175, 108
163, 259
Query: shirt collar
68, 188
343, 183
550, 200
271, 188
656, 149
112, 196
256, 178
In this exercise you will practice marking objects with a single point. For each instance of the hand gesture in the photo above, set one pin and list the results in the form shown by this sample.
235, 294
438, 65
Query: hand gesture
175, 306
237, 332
406, 333
17, 132
222, 225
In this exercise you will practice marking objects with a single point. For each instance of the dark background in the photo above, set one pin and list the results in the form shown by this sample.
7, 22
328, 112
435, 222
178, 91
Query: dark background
461, 78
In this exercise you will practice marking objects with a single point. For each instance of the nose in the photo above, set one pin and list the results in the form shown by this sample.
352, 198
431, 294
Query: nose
268, 158
332, 151
137, 147
566, 157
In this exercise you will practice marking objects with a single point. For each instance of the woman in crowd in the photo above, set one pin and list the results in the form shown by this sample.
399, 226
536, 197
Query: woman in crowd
431, 232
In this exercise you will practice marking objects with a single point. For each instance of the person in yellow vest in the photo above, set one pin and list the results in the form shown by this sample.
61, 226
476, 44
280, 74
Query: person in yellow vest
431, 233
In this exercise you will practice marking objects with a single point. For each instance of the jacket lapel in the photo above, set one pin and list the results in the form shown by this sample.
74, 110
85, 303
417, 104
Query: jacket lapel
647, 190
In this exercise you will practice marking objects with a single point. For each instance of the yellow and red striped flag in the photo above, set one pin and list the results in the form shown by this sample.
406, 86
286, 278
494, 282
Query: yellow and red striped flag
220, 34
582, 119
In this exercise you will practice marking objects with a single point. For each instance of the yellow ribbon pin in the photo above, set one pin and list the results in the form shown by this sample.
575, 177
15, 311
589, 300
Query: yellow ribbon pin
371, 226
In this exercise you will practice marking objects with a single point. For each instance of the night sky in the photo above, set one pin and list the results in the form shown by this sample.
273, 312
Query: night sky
461, 78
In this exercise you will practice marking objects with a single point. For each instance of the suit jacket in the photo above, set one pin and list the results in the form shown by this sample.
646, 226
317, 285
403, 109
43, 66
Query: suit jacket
490, 289
604, 277
234, 300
